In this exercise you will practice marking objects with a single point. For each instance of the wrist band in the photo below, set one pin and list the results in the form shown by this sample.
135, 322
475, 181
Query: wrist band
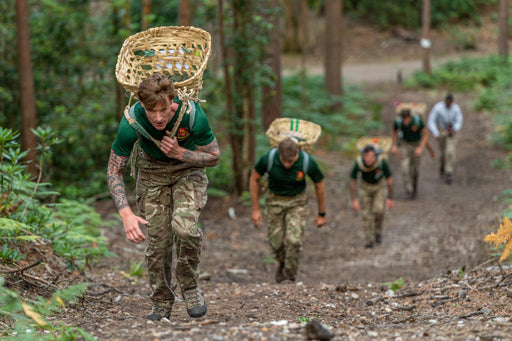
321, 214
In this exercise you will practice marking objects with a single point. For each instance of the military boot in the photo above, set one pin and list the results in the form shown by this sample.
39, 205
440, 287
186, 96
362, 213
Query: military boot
196, 306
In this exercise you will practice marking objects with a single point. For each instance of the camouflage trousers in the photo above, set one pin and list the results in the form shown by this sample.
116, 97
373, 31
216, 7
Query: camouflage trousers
286, 225
410, 165
447, 151
373, 205
170, 197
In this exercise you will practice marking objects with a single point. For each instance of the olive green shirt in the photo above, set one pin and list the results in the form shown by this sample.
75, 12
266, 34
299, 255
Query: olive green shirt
200, 134
373, 176
288, 182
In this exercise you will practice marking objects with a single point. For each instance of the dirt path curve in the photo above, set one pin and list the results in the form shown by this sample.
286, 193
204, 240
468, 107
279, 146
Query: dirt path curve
339, 281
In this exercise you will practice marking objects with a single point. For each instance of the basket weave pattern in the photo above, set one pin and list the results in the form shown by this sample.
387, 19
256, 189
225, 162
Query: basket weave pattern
306, 133
416, 108
179, 52
381, 143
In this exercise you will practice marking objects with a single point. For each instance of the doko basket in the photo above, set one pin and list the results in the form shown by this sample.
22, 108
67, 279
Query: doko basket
304, 132
382, 144
179, 52
416, 108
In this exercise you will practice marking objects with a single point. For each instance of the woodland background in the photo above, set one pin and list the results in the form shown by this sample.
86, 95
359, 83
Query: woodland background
60, 103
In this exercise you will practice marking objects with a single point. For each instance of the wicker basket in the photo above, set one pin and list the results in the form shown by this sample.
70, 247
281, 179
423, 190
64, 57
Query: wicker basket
381, 144
416, 108
306, 133
180, 52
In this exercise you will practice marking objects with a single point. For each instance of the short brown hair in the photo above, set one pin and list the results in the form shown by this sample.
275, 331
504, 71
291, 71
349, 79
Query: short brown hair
154, 89
288, 149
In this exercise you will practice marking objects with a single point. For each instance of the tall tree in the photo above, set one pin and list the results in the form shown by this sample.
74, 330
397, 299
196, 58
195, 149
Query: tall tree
184, 13
425, 40
146, 11
503, 29
27, 96
333, 48
272, 94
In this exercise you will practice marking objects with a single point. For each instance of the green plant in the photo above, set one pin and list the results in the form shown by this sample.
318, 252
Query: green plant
396, 285
306, 319
8, 255
27, 319
136, 269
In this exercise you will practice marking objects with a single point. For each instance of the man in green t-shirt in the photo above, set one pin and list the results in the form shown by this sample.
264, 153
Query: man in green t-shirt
171, 189
372, 191
287, 168
413, 139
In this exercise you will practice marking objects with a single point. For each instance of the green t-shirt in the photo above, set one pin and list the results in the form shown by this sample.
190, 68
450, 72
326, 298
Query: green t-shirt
199, 135
288, 182
412, 132
373, 176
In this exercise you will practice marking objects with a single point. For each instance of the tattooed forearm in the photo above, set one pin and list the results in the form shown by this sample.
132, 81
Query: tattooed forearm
116, 165
203, 156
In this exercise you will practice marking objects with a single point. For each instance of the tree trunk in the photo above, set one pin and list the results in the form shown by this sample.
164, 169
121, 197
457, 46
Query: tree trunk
303, 33
272, 95
503, 29
27, 96
425, 41
117, 25
146, 11
333, 50
184, 13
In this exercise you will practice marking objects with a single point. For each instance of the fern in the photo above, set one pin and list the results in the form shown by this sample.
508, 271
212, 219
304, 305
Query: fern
27, 318
502, 237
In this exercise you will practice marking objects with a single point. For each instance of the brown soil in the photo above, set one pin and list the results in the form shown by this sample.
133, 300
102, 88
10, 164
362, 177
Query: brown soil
434, 243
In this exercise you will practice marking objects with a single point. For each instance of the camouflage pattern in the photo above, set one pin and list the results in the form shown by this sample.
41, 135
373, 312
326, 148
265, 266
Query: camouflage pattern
373, 204
410, 164
170, 197
447, 150
286, 225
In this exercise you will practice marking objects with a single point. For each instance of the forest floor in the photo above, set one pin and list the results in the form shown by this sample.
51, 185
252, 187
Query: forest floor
452, 289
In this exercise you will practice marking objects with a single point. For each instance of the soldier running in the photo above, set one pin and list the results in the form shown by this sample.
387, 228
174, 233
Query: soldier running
411, 133
171, 190
372, 191
287, 168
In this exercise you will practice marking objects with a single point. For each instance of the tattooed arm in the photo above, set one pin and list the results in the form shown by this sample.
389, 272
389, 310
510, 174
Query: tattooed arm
203, 156
116, 166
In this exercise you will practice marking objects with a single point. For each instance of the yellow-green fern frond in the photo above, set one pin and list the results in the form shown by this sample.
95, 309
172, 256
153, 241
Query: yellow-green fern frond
502, 236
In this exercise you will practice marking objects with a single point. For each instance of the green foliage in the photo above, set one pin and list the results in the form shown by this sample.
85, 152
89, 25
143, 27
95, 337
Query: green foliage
396, 285
307, 319
407, 13
8, 255
28, 321
136, 269
360, 115
71, 226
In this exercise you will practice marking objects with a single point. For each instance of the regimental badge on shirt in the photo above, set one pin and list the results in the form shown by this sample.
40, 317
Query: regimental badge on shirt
182, 134
300, 176
414, 128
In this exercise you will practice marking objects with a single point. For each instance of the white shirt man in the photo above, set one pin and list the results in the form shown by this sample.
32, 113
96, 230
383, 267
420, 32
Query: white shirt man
444, 121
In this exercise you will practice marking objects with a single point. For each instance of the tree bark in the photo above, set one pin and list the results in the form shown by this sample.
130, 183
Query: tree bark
503, 29
146, 11
333, 49
184, 13
272, 95
27, 96
426, 36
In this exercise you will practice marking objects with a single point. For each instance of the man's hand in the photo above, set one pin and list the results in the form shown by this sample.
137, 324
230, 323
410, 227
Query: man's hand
390, 203
131, 226
418, 151
256, 218
394, 149
170, 147
320, 221
355, 205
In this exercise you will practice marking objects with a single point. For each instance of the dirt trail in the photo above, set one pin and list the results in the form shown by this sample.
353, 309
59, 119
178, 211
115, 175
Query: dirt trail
424, 240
